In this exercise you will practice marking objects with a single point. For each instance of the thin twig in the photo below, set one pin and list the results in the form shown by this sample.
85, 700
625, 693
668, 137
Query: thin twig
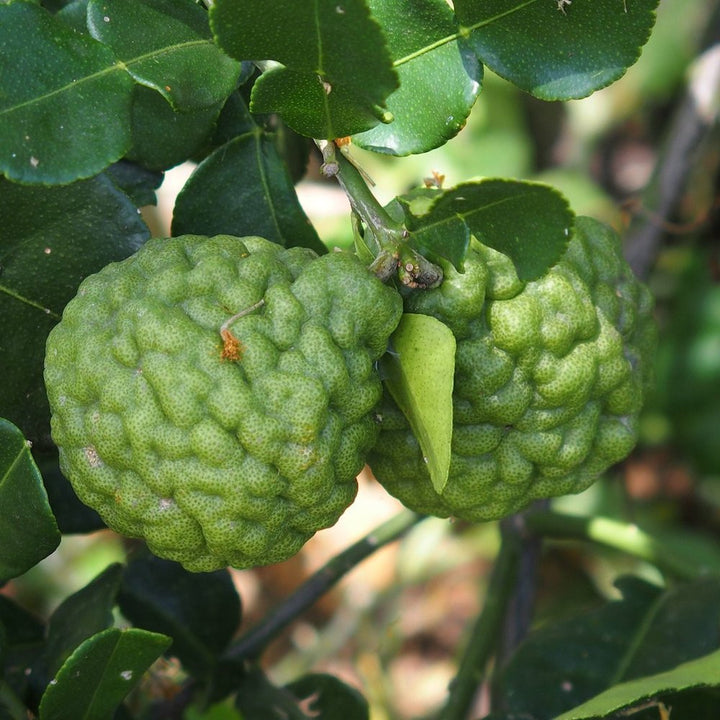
251, 645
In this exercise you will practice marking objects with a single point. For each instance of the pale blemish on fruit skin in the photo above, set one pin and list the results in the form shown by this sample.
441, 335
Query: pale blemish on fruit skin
92, 457
219, 458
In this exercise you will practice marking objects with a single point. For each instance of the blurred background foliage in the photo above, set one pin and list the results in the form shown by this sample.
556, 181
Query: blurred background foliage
395, 624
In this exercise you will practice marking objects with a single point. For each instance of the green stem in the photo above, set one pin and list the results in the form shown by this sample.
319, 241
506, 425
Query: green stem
251, 645
484, 635
626, 537
391, 251
388, 232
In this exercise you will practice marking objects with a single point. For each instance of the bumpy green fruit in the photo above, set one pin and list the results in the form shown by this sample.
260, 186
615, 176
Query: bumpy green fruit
219, 443
549, 380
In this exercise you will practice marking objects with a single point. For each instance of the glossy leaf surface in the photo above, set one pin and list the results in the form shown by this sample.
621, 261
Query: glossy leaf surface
438, 85
557, 51
64, 99
243, 188
649, 631
100, 673
50, 239
80, 616
166, 45
28, 531
333, 72
529, 222
702, 672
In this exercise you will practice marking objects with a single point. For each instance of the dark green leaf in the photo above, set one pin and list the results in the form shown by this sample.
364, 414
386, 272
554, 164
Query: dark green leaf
22, 628
55, 6
74, 13
335, 73
258, 699
557, 51
199, 611
449, 240
438, 85
326, 698
80, 616
64, 99
28, 531
418, 371
529, 222
50, 239
294, 149
166, 45
236, 119
100, 673
646, 633
162, 137
704, 671
243, 188
24, 641
138, 183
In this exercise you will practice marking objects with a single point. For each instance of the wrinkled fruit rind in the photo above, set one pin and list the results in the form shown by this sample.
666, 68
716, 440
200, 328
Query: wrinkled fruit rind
549, 381
219, 461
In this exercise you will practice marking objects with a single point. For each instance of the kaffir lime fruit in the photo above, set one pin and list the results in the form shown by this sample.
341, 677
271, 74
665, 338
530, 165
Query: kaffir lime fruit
214, 396
549, 380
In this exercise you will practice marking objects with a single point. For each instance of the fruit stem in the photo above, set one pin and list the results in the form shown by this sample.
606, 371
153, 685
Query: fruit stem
485, 633
392, 253
251, 645
388, 232
626, 537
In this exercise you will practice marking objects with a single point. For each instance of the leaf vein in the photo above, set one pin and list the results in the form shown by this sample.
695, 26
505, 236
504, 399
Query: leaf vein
28, 301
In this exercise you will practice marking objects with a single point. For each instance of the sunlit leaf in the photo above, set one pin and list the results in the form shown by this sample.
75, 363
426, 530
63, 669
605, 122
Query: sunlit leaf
556, 50
100, 673
419, 371
333, 72
28, 531
166, 45
529, 222
438, 85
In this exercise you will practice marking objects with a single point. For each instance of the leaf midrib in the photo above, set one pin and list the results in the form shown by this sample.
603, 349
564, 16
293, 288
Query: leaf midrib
123, 66
463, 32
470, 214
11, 293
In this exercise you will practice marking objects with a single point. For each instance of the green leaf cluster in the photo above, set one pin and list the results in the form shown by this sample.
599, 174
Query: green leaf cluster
630, 654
